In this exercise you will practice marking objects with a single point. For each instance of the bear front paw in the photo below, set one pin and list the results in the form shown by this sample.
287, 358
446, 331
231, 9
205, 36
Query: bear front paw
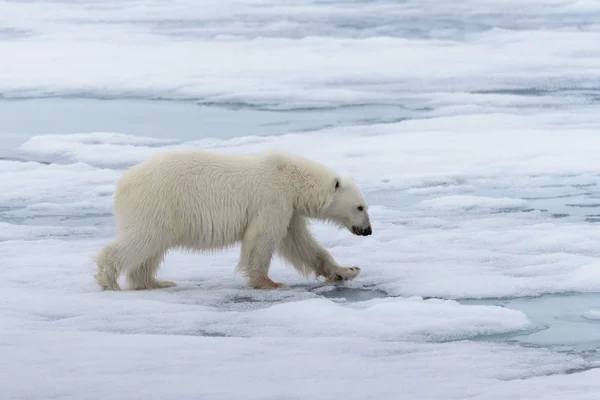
344, 274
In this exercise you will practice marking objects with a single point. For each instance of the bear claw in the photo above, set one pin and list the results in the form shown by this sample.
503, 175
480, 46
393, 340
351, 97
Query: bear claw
344, 274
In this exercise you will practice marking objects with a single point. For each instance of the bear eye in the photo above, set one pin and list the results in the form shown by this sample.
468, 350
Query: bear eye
360, 208
337, 184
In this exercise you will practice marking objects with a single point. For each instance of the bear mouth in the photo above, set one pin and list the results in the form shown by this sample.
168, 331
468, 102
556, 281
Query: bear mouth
358, 231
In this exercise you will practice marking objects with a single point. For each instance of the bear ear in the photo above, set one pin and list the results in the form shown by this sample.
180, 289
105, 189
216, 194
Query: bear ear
336, 183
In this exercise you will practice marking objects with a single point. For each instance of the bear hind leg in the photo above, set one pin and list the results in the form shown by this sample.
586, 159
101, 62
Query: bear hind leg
123, 255
108, 267
143, 276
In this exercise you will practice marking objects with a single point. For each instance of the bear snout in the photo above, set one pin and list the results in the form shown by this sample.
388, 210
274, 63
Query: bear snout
357, 230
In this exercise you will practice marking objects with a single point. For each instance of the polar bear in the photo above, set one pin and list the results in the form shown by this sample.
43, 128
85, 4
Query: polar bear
196, 200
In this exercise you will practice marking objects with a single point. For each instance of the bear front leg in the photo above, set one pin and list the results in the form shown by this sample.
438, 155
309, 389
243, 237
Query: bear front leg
307, 256
258, 246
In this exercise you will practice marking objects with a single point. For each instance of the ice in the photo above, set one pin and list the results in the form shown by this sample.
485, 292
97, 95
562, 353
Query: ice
592, 315
188, 367
465, 202
428, 243
39, 185
24, 232
415, 153
181, 312
450, 221
189, 341
431, 320
471, 126
313, 54
20, 120
564, 321
101, 148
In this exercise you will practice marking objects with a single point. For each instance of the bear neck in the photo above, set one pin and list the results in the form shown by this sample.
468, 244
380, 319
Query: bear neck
308, 183
310, 200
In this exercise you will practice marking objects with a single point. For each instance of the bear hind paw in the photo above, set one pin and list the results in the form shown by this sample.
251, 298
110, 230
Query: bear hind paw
267, 283
107, 283
154, 285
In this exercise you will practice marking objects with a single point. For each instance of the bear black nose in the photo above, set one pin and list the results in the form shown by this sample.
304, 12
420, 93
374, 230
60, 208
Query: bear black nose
362, 231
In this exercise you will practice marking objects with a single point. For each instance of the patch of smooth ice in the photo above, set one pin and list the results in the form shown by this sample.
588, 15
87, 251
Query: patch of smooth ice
564, 321
593, 315
22, 119
466, 203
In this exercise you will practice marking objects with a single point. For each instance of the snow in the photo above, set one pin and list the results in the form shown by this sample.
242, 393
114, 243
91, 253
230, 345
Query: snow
186, 367
311, 332
279, 54
414, 153
472, 129
191, 341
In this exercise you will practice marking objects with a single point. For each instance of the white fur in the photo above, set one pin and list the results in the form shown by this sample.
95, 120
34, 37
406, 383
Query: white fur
201, 201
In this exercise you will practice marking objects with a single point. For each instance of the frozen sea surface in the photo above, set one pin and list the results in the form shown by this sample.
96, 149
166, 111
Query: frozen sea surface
472, 128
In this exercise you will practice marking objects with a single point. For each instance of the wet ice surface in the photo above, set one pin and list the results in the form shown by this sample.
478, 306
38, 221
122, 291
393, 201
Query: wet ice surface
472, 129
180, 119
567, 323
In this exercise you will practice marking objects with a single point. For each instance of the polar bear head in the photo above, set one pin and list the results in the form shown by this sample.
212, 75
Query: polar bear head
348, 208
320, 193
